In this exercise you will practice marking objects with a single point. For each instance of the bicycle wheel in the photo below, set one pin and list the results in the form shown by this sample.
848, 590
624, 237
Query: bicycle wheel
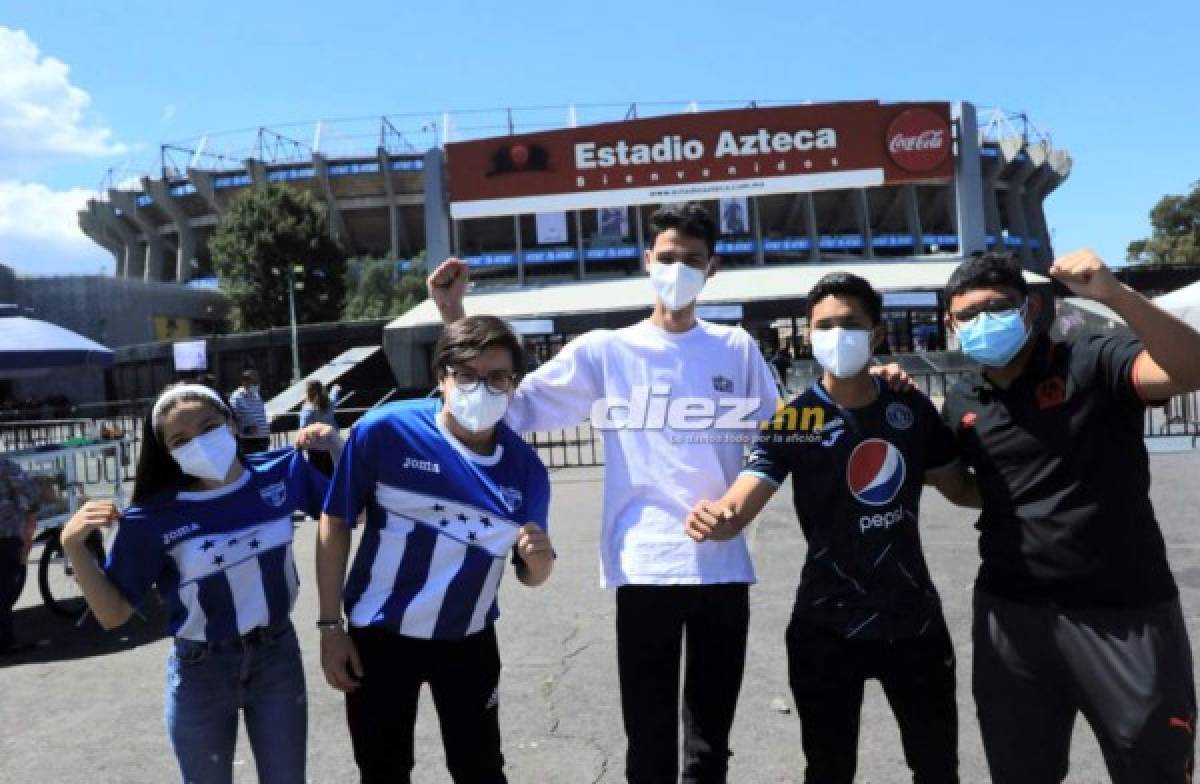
56, 576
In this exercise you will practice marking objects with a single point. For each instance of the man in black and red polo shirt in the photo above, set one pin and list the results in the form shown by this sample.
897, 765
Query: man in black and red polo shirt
1076, 610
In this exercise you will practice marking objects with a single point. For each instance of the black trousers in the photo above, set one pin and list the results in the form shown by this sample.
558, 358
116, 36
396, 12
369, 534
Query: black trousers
654, 624
827, 673
12, 582
254, 444
1128, 671
463, 676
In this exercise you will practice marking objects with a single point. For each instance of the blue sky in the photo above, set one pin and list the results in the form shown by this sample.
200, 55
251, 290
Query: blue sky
86, 86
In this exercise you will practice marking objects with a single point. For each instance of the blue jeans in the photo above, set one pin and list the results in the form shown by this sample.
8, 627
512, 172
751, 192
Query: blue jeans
208, 684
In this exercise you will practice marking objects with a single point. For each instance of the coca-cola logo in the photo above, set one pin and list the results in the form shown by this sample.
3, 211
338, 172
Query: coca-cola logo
918, 140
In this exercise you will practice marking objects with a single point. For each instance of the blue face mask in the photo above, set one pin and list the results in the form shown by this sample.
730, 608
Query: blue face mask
993, 339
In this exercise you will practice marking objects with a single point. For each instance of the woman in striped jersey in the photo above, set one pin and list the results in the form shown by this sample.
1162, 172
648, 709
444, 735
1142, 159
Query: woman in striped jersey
213, 533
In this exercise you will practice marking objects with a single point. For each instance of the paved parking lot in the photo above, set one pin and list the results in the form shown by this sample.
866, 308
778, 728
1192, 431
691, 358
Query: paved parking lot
85, 706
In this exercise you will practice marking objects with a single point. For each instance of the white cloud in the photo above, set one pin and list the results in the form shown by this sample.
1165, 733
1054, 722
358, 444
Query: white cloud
43, 115
45, 121
40, 234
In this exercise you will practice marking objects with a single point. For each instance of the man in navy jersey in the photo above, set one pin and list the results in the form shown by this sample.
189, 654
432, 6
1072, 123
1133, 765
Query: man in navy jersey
449, 492
858, 453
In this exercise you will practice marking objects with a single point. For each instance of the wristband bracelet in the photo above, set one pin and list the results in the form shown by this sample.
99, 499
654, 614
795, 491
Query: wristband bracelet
337, 624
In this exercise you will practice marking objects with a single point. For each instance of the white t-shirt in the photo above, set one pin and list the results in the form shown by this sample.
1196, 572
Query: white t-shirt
686, 388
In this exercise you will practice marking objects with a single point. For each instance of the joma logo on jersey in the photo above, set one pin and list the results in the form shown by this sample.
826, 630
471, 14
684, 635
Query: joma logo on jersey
175, 535
428, 466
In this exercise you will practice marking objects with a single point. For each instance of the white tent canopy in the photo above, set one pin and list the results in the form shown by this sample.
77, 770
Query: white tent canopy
1183, 302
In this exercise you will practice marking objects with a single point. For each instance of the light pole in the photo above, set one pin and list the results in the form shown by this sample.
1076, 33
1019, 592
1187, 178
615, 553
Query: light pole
294, 285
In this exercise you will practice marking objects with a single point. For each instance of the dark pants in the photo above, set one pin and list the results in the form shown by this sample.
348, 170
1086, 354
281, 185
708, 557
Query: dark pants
252, 445
1128, 671
827, 673
463, 676
653, 624
322, 461
12, 582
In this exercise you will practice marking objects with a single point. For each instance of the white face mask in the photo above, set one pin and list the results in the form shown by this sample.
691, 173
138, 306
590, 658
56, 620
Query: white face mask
479, 409
843, 352
207, 456
676, 284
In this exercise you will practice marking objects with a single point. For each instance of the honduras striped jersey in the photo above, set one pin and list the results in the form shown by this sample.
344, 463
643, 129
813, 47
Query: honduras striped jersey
440, 520
221, 559
250, 412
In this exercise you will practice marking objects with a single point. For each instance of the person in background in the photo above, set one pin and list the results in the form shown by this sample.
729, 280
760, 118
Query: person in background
19, 497
254, 428
318, 408
1076, 610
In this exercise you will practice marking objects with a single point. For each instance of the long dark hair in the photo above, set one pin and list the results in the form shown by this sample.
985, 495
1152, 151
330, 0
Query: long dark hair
315, 389
157, 471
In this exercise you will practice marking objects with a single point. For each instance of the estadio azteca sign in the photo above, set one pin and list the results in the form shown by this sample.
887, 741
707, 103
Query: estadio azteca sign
744, 152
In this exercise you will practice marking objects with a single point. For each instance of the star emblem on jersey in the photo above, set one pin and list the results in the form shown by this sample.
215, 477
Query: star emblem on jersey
723, 384
469, 525
875, 472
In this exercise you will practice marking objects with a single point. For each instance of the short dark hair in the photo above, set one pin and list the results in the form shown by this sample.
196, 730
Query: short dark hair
689, 219
469, 337
249, 374
996, 269
845, 284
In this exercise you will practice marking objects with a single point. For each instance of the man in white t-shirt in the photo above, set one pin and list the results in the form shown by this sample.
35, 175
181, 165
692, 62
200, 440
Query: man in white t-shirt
677, 400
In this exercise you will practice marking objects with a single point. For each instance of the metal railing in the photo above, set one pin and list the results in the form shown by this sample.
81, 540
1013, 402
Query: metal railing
1179, 417
572, 447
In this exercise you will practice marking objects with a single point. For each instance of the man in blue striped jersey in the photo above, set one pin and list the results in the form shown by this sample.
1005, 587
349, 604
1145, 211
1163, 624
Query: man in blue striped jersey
448, 492
254, 427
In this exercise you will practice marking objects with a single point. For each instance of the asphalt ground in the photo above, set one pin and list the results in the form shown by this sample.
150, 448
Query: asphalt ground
85, 706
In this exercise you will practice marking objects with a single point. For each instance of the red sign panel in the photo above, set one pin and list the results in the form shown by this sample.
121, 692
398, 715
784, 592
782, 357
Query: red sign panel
742, 152
918, 140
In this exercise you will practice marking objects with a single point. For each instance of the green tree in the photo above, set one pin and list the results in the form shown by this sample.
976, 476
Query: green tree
375, 288
1175, 238
266, 233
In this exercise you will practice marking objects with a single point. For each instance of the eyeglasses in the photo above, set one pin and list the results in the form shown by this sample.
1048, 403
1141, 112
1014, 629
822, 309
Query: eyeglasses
973, 312
498, 382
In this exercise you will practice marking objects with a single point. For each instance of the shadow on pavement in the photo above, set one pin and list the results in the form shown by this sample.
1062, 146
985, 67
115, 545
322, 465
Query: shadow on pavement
54, 638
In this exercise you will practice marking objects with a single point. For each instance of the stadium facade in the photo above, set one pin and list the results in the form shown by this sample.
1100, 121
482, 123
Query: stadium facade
393, 199
540, 197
